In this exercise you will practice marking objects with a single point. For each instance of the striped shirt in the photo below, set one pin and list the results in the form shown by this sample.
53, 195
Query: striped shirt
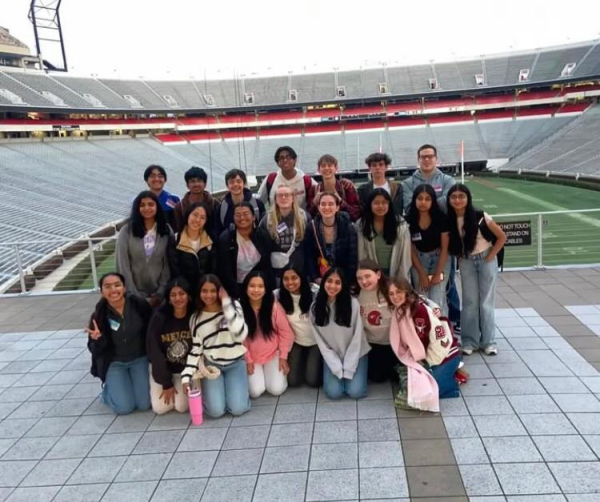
217, 337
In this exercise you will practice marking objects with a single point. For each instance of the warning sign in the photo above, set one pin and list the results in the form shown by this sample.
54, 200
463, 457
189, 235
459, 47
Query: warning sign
518, 233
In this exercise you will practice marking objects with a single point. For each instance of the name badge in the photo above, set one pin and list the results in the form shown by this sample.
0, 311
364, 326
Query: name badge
282, 227
416, 237
114, 324
438, 188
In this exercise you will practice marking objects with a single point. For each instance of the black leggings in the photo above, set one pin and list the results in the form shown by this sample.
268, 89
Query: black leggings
306, 366
382, 362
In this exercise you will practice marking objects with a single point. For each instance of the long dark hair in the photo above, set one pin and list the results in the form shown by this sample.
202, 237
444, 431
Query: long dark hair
285, 297
390, 221
383, 284
266, 308
412, 298
343, 302
206, 278
136, 222
179, 282
462, 244
435, 212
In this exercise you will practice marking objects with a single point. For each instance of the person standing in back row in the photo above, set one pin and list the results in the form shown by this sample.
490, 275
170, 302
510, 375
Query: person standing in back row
288, 175
427, 174
155, 177
378, 164
195, 179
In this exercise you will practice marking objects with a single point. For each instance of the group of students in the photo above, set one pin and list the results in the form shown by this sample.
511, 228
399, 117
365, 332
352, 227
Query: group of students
315, 290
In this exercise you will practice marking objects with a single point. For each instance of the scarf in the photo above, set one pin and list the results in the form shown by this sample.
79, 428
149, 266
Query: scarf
423, 391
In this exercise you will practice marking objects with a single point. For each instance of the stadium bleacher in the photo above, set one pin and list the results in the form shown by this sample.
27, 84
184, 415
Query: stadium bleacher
573, 148
544, 65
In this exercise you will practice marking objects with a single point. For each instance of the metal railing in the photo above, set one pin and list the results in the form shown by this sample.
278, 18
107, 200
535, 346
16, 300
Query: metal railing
555, 239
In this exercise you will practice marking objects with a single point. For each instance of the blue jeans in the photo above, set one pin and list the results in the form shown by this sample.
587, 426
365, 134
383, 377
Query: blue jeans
229, 392
444, 376
452, 293
356, 388
127, 386
429, 262
478, 280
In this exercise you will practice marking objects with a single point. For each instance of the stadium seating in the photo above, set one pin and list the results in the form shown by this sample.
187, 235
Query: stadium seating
544, 65
573, 148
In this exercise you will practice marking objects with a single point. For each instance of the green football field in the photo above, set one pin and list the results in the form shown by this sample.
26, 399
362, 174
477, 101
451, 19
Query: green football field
567, 238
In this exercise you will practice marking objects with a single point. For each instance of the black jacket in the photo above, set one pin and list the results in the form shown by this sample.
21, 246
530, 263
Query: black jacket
226, 260
223, 216
345, 247
103, 349
192, 266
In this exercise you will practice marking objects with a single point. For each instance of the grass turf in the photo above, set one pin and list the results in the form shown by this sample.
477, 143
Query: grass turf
567, 239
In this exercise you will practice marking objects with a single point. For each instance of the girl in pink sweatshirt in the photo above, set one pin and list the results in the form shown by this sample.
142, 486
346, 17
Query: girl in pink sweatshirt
269, 340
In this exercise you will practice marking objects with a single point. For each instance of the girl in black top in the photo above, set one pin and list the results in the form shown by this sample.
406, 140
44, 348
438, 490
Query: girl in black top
429, 236
168, 342
117, 341
194, 249
240, 251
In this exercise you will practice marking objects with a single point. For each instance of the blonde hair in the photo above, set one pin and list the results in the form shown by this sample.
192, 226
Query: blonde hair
274, 218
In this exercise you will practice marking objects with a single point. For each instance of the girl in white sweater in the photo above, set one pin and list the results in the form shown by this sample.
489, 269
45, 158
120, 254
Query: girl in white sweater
296, 296
218, 332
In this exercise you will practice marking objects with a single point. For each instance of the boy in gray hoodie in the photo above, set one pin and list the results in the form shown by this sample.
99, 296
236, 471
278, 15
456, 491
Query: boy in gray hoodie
427, 174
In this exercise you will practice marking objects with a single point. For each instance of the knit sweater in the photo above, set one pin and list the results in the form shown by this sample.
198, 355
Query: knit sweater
217, 337
144, 275
261, 350
341, 346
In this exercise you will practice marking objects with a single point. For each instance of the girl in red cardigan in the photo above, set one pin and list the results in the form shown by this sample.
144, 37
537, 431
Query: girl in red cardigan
269, 340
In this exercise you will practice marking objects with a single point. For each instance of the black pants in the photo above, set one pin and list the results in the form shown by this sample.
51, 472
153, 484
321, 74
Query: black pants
382, 361
306, 366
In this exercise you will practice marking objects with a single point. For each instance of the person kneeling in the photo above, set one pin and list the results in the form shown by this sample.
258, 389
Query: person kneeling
218, 332
338, 329
426, 348
168, 342
270, 337
117, 341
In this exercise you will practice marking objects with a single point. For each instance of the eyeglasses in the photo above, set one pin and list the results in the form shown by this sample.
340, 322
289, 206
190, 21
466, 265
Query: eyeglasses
285, 195
284, 157
156, 176
427, 157
458, 196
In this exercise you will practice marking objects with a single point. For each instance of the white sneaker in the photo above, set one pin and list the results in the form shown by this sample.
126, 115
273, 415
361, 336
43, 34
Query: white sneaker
467, 351
491, 350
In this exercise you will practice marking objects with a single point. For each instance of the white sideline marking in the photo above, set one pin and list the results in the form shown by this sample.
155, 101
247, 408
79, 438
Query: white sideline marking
552, 207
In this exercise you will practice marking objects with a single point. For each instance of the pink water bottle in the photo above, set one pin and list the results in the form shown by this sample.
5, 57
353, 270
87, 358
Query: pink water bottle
195, 402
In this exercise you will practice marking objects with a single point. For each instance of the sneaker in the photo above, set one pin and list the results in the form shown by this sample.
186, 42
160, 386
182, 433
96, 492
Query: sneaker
467, 351
491, 350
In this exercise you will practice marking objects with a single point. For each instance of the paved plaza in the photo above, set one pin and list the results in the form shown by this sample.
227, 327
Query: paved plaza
527, 427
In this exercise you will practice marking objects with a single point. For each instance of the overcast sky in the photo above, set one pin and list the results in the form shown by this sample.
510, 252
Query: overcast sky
183, 38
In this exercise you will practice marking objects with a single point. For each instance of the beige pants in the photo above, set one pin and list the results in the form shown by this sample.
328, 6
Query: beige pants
158, 404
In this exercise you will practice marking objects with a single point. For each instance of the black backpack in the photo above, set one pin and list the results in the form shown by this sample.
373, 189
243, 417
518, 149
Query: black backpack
489, 236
